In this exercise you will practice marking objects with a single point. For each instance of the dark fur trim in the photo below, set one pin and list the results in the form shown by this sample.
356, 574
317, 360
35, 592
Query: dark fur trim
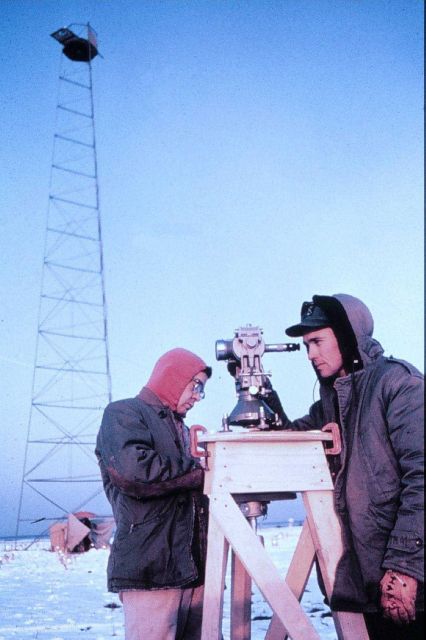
343, 331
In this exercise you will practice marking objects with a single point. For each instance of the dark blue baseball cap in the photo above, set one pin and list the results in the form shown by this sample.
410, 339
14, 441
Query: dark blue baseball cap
312, 317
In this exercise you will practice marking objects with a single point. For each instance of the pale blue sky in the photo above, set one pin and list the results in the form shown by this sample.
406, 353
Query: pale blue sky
251, 154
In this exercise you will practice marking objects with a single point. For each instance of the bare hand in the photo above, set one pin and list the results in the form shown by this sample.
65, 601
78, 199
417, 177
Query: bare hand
398, 597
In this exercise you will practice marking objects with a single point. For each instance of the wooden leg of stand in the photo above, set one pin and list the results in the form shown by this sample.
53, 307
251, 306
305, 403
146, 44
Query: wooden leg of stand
326, 535
260, 567
297, 576
350, 625
217, 556
240, 601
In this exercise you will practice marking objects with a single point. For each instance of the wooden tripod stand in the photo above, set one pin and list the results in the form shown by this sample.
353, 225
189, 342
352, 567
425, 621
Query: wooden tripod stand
258, 466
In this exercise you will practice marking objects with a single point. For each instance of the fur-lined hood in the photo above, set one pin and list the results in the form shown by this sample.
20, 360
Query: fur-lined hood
353, 325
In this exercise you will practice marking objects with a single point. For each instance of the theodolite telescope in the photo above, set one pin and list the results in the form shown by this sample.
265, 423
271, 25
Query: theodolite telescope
244, 356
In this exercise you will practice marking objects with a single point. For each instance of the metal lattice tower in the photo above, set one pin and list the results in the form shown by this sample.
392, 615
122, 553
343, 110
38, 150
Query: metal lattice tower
71, 381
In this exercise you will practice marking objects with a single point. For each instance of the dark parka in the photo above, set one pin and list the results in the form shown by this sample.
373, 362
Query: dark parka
379, 488
155, 489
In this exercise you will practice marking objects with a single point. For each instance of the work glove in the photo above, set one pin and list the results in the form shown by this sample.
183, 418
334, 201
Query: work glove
273, 401
398, 597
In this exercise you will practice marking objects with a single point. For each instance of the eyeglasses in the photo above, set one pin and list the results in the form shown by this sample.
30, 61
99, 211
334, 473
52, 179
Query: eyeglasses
198, 388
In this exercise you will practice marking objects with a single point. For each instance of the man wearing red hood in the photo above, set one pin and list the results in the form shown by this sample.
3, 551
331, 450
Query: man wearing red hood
155, 486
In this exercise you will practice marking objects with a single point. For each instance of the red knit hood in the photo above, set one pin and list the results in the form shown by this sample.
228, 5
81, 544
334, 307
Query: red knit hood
171, 374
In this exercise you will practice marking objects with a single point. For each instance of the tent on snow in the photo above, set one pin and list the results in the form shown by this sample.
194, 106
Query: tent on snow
80, 532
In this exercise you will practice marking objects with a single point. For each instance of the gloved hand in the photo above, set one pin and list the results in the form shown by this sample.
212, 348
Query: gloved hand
273, 401
398, 597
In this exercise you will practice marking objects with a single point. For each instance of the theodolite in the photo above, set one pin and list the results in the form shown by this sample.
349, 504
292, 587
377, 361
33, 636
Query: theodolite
244, 356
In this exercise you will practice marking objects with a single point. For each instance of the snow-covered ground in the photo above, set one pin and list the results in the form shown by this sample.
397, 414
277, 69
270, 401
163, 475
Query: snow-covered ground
44, 595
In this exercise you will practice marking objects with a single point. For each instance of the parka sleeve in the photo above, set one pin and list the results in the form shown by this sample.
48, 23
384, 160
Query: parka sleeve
313, 420
126, 454
405, 420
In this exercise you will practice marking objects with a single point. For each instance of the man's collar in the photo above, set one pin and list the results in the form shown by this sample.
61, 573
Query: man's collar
148, 396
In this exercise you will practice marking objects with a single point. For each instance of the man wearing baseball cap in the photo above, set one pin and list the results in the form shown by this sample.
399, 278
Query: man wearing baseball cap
377, 401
